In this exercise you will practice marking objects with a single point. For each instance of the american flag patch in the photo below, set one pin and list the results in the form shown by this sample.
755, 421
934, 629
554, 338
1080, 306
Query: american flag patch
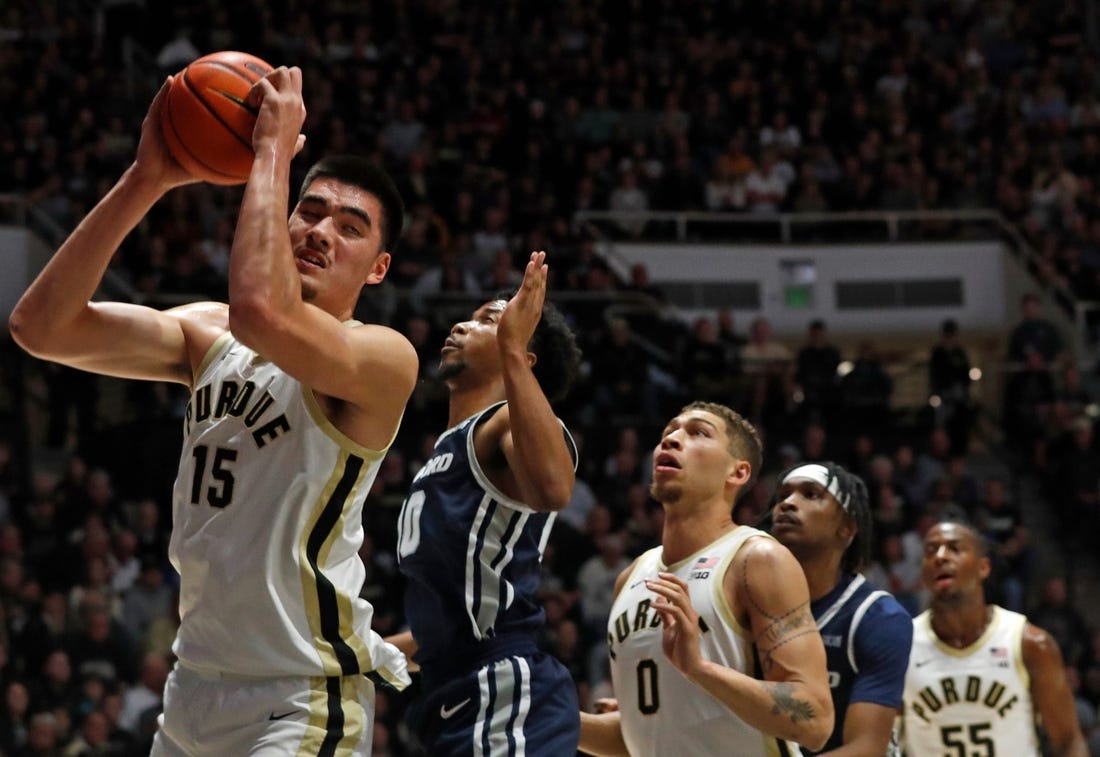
705, 562
999, 653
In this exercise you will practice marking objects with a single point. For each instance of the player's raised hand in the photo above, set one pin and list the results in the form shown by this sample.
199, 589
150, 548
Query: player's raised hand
153, 161
523, 312
680, 639
281, 109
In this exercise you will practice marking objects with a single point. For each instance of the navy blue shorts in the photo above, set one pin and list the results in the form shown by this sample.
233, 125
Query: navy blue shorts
517, 705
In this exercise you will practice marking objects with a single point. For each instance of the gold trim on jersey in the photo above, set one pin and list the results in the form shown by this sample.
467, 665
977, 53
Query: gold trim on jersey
1018, 649
310, 579
208, 358
321, 706
721, 604
990, 629
346, 444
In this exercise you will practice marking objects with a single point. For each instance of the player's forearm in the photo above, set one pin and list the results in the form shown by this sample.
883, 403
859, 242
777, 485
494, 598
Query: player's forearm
792, 711
42, 321
263, 279
602, 735
541, 461
1073, 745
407, 644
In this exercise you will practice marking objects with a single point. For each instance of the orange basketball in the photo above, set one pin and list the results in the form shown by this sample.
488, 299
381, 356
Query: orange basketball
206, 124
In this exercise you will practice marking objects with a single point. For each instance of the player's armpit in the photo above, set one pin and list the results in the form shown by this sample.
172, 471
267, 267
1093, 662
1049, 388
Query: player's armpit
1051, 694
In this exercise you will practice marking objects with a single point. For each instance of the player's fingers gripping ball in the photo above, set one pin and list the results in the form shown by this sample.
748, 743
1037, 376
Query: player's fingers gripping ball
206, 122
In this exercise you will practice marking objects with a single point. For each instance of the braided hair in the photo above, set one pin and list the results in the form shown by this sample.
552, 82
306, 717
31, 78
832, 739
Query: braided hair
851, 494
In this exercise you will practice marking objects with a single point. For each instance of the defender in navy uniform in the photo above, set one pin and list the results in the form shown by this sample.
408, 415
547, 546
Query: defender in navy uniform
473, 529
822, 513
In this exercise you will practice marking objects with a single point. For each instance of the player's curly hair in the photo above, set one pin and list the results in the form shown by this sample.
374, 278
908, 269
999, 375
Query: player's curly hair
558, 362
368, 175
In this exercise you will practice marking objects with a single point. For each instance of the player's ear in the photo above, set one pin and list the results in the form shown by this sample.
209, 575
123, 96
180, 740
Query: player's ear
847, 530
984, 568
378, 268
739, 473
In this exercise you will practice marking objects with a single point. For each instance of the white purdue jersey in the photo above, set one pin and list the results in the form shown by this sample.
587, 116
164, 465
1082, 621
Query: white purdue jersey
975, 700
267, 510
663, 712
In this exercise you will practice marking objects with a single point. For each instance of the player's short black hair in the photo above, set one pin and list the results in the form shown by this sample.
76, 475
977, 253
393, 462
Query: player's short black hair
555, 346
368, 175
980, 540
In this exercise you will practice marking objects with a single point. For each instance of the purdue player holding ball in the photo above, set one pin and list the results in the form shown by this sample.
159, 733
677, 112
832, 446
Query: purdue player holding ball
713, 647
292, 409
979, 674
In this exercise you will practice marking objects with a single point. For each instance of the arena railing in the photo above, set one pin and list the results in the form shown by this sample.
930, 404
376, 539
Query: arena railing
855, 227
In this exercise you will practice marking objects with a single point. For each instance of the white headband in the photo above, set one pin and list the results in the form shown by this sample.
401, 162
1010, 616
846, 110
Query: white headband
819, 474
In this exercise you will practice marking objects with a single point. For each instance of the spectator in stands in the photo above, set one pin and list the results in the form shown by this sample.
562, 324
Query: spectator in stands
1056, 615
1034, 333
14, 717
765, 188
949, 382
147, 599
1000, 522
815, 374
146, 696
866, 391
702, 363
1074, 478
1029, 399
769, 365
620, 373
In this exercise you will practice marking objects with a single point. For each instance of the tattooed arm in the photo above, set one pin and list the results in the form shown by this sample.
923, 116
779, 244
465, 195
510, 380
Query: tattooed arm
766, 586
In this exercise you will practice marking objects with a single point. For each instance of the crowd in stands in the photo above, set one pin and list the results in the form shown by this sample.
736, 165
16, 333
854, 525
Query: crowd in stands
500, 120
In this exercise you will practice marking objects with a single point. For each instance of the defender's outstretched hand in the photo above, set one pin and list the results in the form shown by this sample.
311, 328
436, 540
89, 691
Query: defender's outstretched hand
522, 314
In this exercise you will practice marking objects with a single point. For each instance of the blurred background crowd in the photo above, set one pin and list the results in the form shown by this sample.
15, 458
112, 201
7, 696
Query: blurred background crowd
500, 122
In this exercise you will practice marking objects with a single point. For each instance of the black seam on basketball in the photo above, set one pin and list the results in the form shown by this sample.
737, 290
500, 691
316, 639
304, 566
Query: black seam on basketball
214, 113
183, 145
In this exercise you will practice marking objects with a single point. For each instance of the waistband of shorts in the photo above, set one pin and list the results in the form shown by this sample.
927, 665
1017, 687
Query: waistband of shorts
469, 658
209, 674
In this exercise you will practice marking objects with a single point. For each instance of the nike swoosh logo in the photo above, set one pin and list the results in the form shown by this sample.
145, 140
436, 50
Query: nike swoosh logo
273, 716
446, 712
921, 664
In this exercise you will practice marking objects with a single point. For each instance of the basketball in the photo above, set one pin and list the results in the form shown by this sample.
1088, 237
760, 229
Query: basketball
207, 126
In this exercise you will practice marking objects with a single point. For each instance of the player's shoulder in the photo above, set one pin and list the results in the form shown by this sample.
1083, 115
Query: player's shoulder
202, 314
763, 550
766, 565
1037, 641
387, 337
883, 607
203, 325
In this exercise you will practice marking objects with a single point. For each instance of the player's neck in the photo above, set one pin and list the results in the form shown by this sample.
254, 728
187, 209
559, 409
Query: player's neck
468, 400
822, 572
684, 534
959, 625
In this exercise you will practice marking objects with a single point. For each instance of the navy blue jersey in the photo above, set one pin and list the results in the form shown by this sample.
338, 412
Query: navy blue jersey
470, 553
867, 636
